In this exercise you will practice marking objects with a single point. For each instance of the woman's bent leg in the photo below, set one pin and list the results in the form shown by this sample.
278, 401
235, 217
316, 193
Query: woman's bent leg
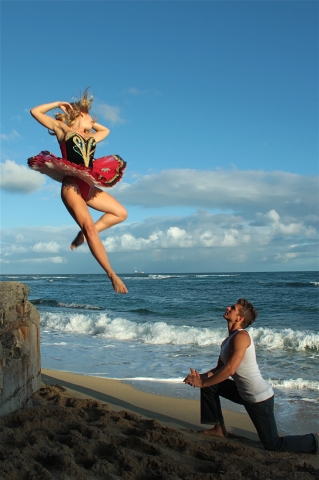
103, 202
77, 207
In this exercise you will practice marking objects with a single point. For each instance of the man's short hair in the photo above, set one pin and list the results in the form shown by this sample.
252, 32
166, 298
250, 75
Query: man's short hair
247, 311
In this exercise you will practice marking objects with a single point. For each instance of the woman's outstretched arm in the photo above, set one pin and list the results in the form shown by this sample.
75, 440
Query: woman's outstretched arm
39, 113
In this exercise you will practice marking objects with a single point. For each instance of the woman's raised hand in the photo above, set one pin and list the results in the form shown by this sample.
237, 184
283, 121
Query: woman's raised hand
65, 106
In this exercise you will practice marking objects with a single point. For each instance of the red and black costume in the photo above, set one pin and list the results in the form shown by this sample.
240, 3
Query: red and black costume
78, 162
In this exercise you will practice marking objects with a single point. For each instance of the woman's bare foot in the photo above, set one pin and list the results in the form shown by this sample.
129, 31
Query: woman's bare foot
117, 283
217, 431
79, 239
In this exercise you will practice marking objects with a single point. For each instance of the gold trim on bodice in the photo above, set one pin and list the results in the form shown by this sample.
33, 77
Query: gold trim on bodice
83, 147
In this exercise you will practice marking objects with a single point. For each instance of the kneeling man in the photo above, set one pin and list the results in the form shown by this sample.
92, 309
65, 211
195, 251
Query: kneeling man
247, 387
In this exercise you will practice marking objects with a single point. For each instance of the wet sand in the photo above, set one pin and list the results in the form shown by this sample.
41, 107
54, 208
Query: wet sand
79, 427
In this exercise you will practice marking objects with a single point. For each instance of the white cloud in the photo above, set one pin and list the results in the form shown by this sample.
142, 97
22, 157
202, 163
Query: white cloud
285, 257
51, 247
19, 238
291, 228
11, 136
12, 250
269, 229
44, 260
16, 178
207, 231
109, 113
135, 91
239, 191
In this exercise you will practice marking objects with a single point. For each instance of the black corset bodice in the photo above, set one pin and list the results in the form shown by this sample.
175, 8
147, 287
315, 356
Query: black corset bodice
78, 150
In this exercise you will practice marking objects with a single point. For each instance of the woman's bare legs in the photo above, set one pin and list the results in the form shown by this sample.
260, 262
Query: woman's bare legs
77, 207
103, 202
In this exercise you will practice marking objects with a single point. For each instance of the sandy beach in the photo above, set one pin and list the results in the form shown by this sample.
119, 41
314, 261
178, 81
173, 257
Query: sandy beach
79, 427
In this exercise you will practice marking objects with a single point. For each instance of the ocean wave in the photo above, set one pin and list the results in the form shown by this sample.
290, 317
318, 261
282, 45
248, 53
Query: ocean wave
55, 303
157, 333
217, 275
286, 339
144, 276
161, 333
294, 384
163, 277
301, 284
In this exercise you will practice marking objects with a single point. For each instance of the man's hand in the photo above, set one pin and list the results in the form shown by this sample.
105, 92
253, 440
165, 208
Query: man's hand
193, 379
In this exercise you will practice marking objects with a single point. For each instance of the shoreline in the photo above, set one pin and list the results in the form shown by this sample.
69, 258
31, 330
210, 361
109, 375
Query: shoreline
174, 412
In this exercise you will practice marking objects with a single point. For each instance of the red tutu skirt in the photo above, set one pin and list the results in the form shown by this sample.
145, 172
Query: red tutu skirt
106, 171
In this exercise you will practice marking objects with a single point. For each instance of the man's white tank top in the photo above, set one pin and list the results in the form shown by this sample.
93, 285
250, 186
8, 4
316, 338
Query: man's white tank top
251, 385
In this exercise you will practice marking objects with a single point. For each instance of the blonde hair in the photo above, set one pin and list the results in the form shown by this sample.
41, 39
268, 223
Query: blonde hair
83, 105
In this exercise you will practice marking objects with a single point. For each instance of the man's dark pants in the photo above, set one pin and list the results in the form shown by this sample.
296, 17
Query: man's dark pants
262, 416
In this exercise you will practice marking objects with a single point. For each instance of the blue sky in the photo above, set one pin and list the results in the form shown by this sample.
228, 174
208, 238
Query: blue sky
214, 106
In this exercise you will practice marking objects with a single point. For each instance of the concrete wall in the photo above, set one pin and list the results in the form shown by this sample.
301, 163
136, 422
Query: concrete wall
20, 363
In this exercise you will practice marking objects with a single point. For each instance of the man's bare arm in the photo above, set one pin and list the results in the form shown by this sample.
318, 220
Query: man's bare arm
238, 347
204, 376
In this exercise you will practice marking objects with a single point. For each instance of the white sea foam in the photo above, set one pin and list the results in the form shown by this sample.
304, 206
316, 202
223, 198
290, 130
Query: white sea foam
158, 333
295, 384
216, 275
161, 333
162, 277
78, 305
315, 283
286, 339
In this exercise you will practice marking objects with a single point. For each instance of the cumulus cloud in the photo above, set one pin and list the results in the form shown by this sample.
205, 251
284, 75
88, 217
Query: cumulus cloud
291, 227
12, 250
110, 113
209, 231
250, 236
16, 178
51, 247
239, 191
25, 247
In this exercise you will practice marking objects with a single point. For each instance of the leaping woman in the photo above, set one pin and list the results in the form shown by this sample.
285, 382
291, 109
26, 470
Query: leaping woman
81, 175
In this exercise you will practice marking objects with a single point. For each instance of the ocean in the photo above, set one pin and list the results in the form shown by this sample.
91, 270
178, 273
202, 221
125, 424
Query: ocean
169, 323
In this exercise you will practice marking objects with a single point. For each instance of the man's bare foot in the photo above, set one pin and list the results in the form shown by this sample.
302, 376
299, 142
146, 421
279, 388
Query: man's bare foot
217, 431
118, 285
79, 239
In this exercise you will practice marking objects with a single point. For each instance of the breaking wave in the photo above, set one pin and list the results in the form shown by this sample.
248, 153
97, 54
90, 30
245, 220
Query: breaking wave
161, 333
